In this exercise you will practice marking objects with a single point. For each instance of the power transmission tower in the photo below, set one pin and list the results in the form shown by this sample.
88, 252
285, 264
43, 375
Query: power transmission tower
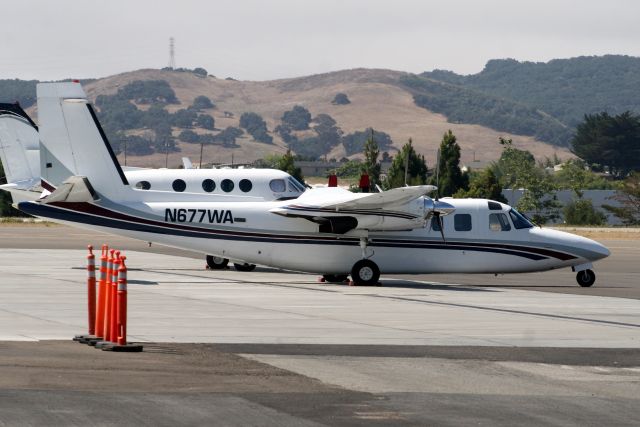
172, 53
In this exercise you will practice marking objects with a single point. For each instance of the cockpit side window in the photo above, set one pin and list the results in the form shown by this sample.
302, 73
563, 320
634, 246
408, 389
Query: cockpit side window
519, 220
143, 185
278, 185
435, 225
499, 222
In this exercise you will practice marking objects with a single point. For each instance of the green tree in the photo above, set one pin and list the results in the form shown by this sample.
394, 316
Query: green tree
582, 212
484, 185
611, 141
416, 172
518, 169
576, 176
287, 163
5, 199
256, 126
371, 165
629, 198
297, 118
205, 121
202, 102
451, 179
341, 99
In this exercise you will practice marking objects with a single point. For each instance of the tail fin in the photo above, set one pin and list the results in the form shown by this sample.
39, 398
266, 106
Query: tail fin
72, 136
19, 147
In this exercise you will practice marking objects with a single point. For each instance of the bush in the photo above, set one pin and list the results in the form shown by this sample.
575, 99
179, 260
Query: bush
189, 136
202, 102
341, 99
205, 121
582, 212
354, 142
184, 118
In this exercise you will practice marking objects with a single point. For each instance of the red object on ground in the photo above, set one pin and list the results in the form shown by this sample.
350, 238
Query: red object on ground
122, 303
333, 180
102, 286
91, 290
364, 183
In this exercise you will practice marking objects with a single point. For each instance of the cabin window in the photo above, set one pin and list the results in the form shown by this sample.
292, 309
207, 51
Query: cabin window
208, 185
499, 222
143, 185
277, 185
245, 185
227, 185
179, 185
462, 222
494, 206
519, 220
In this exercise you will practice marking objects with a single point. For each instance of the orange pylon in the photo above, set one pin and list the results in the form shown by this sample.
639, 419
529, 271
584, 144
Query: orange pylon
102, 287
108, 301
113, 332
122, 303
91, 290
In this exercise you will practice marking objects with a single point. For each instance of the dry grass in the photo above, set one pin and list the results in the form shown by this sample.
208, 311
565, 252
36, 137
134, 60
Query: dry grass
375, 101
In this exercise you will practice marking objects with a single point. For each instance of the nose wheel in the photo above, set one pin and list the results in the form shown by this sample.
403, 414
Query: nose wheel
586, 278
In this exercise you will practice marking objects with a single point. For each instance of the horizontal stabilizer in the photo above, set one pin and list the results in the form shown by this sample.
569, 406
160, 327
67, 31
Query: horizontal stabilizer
76, 189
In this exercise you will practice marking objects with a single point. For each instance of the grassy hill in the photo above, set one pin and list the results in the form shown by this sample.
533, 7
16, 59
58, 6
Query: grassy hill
378, 99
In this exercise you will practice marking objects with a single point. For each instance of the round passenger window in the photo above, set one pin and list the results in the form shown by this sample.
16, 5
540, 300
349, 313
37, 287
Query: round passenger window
208, 185
226, 185
278, 186
179, 185
143, 185
245, 185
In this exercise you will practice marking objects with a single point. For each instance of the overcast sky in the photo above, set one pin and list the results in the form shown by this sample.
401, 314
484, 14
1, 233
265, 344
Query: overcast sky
268, 39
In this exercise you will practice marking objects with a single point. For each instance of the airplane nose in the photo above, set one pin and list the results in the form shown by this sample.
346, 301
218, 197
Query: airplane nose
597, 251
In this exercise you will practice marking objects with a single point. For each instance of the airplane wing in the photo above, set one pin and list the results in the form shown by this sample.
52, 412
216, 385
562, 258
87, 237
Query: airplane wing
396, 209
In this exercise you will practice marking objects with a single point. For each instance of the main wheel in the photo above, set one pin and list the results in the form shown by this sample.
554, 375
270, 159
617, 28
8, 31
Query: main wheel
586, 278
334, 278
365, 272
216, 262
244, 267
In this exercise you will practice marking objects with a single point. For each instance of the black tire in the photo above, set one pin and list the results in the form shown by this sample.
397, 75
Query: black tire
586, 278
244, 267
335, 278
216, 263
365, 273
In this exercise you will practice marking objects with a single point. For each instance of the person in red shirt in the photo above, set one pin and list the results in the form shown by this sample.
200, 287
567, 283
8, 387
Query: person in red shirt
364, 182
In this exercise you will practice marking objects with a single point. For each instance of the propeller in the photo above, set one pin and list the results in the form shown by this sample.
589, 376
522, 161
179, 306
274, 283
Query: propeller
437, 209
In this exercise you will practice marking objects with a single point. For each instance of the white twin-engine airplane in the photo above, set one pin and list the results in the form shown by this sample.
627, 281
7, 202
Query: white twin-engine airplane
32, 172
328, 231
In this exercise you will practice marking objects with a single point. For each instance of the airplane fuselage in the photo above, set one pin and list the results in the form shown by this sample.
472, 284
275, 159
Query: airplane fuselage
247, 231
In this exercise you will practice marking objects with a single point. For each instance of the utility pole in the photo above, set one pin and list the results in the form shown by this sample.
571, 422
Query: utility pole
201, 147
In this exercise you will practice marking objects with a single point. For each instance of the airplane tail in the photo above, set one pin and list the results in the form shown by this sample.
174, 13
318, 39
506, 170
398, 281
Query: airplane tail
19, 147
74, 143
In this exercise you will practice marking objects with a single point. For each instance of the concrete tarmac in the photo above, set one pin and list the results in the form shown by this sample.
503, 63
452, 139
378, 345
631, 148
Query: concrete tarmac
278, 348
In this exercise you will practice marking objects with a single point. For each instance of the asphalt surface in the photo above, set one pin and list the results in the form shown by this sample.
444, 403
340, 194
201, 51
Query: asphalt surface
57, 383
617, 276
270, 382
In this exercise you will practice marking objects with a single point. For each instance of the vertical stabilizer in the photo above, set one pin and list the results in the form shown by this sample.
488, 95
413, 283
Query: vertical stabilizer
71, 133
19, 146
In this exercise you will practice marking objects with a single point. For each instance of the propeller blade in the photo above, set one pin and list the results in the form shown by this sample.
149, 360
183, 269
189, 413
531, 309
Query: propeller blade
441, 225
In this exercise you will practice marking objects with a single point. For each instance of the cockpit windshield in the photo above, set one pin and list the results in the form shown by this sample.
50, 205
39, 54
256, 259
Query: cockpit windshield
519, 220
295, 186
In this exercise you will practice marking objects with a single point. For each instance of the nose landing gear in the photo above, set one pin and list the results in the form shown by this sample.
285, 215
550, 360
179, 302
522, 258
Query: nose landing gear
586, 278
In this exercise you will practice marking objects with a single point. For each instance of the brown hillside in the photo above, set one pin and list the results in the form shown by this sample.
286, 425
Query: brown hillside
376, 101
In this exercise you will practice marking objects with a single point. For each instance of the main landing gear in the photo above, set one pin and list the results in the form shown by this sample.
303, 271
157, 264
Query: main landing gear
219, 263
586, 278
216, 262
